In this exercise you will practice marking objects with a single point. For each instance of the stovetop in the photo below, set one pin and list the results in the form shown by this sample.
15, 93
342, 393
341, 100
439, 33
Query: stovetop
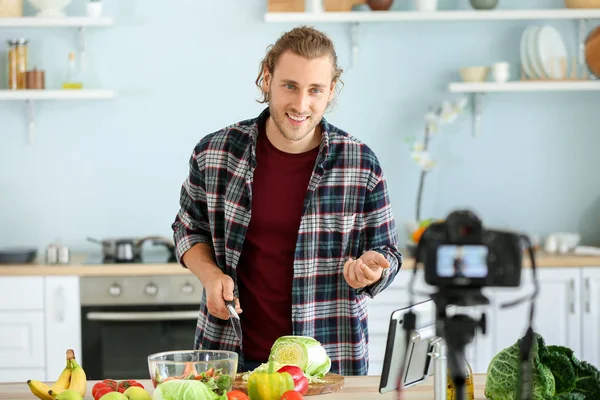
148, 258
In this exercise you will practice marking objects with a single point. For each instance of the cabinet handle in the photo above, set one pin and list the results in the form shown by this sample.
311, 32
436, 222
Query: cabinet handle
572, 295
587, 295
60, 304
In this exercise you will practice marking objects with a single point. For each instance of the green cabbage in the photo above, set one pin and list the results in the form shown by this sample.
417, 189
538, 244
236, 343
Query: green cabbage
557, 374
185, 390
303, 351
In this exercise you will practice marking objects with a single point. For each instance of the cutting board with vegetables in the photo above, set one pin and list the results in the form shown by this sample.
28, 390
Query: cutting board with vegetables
332, 383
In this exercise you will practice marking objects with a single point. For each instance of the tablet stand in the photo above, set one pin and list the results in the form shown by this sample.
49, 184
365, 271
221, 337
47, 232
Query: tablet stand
440, 365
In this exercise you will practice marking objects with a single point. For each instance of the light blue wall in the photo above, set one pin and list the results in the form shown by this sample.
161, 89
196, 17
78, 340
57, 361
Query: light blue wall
184, 69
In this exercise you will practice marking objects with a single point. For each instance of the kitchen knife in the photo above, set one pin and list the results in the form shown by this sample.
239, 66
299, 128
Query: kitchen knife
235, 320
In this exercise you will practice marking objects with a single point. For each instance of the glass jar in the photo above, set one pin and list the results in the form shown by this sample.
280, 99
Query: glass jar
469, 385
22, 60
12, 64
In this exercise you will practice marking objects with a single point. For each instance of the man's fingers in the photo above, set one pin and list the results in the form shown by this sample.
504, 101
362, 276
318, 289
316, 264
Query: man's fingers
227, 284
366, 275
382, 261
238, 308
351, 274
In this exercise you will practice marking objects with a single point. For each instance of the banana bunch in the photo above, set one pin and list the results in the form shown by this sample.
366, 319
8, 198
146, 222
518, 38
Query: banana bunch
70, 385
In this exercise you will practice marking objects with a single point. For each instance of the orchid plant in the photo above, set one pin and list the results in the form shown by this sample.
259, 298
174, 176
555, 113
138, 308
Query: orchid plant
445, 114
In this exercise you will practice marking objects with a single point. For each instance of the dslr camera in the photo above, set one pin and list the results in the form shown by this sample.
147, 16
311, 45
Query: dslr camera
459, 253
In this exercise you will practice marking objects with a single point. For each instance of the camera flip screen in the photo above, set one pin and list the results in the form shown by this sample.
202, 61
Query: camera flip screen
462, 261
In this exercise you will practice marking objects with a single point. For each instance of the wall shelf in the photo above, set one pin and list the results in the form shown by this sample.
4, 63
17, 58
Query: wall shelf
355, 18
477, 90
524, 86
59, 94
66, 22
30, 96
416, 16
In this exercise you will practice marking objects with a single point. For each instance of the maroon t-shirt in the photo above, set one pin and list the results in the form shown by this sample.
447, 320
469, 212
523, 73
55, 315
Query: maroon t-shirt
266, 266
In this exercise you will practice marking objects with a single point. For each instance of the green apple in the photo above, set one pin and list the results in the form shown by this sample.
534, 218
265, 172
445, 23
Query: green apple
136, 393
114, 396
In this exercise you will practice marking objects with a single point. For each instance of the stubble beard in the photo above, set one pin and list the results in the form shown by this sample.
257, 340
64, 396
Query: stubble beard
290, 132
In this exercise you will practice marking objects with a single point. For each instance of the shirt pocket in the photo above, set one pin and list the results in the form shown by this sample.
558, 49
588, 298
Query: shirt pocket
339, 235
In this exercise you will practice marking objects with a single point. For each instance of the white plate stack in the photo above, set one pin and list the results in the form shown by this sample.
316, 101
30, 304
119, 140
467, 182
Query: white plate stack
543, 53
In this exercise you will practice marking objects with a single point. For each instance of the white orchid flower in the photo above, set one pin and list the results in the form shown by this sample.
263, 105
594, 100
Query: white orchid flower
460, 104
425, 161
448, 114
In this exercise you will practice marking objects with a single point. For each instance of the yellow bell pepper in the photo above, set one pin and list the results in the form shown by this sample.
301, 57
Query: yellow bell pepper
269, 385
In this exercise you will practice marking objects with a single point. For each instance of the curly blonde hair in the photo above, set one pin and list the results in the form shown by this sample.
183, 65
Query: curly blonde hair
304, 41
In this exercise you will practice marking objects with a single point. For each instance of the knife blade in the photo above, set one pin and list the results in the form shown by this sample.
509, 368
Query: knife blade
235, 319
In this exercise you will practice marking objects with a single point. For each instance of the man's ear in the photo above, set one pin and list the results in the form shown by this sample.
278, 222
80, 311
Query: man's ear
266, 82
332, 90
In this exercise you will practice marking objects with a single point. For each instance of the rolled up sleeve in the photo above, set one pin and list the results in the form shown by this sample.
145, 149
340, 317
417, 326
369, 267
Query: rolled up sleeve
192, 223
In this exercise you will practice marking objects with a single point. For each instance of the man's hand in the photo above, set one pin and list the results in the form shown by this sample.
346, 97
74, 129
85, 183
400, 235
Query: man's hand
219, 287
365, 270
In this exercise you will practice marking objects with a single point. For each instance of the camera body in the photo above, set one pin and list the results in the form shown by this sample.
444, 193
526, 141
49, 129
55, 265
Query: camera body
459, 253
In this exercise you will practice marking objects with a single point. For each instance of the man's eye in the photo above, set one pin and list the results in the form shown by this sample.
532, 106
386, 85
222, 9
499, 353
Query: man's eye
289, 86
317, 90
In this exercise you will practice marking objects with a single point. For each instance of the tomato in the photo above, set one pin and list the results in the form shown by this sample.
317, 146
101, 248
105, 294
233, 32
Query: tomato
107, 383
124, 385
102, 391
291, 395
237, 395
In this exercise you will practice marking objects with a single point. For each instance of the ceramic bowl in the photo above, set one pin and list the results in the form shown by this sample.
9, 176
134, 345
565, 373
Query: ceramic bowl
474, 74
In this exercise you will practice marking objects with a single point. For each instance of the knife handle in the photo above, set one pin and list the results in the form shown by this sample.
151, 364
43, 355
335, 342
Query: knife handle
230, 303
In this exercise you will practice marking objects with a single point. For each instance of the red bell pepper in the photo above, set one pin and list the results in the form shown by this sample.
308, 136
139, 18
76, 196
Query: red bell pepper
300, 381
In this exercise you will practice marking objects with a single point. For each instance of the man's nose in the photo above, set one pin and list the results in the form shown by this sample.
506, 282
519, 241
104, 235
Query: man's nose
301, 102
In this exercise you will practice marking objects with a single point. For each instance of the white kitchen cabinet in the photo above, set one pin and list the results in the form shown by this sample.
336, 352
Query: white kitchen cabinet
557, 315
590, 305
22, 341
63, 322
39, 321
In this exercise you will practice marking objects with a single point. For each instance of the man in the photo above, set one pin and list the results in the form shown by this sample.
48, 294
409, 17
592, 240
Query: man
289, 216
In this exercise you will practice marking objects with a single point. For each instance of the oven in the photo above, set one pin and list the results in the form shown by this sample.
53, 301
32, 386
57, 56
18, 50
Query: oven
125, 319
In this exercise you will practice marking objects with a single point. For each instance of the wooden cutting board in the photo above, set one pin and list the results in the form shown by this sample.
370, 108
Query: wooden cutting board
333, 383
298, 5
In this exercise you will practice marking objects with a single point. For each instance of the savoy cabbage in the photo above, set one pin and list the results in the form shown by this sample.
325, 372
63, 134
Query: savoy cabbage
557, 374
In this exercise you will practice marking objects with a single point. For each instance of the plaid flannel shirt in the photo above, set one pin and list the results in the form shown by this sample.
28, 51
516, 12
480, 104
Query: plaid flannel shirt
346, 213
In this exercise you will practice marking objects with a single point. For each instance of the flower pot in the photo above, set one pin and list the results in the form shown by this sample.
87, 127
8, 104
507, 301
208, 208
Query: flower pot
94, 9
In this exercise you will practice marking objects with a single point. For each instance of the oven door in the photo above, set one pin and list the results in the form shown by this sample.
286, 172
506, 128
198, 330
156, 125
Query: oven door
117, 340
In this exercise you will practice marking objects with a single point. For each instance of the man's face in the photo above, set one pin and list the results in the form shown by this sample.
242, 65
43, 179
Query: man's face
300, 90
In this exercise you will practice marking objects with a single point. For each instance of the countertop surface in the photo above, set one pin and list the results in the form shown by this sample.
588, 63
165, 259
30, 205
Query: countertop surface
355, 388
83, 265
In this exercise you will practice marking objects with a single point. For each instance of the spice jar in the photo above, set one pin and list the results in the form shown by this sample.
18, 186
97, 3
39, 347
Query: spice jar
35, 79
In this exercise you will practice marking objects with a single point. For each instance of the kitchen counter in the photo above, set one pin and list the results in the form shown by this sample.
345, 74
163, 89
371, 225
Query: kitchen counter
79, 266
355, 388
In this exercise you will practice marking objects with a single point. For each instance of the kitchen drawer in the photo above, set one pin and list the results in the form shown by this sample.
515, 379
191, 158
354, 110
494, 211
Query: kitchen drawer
22, 293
